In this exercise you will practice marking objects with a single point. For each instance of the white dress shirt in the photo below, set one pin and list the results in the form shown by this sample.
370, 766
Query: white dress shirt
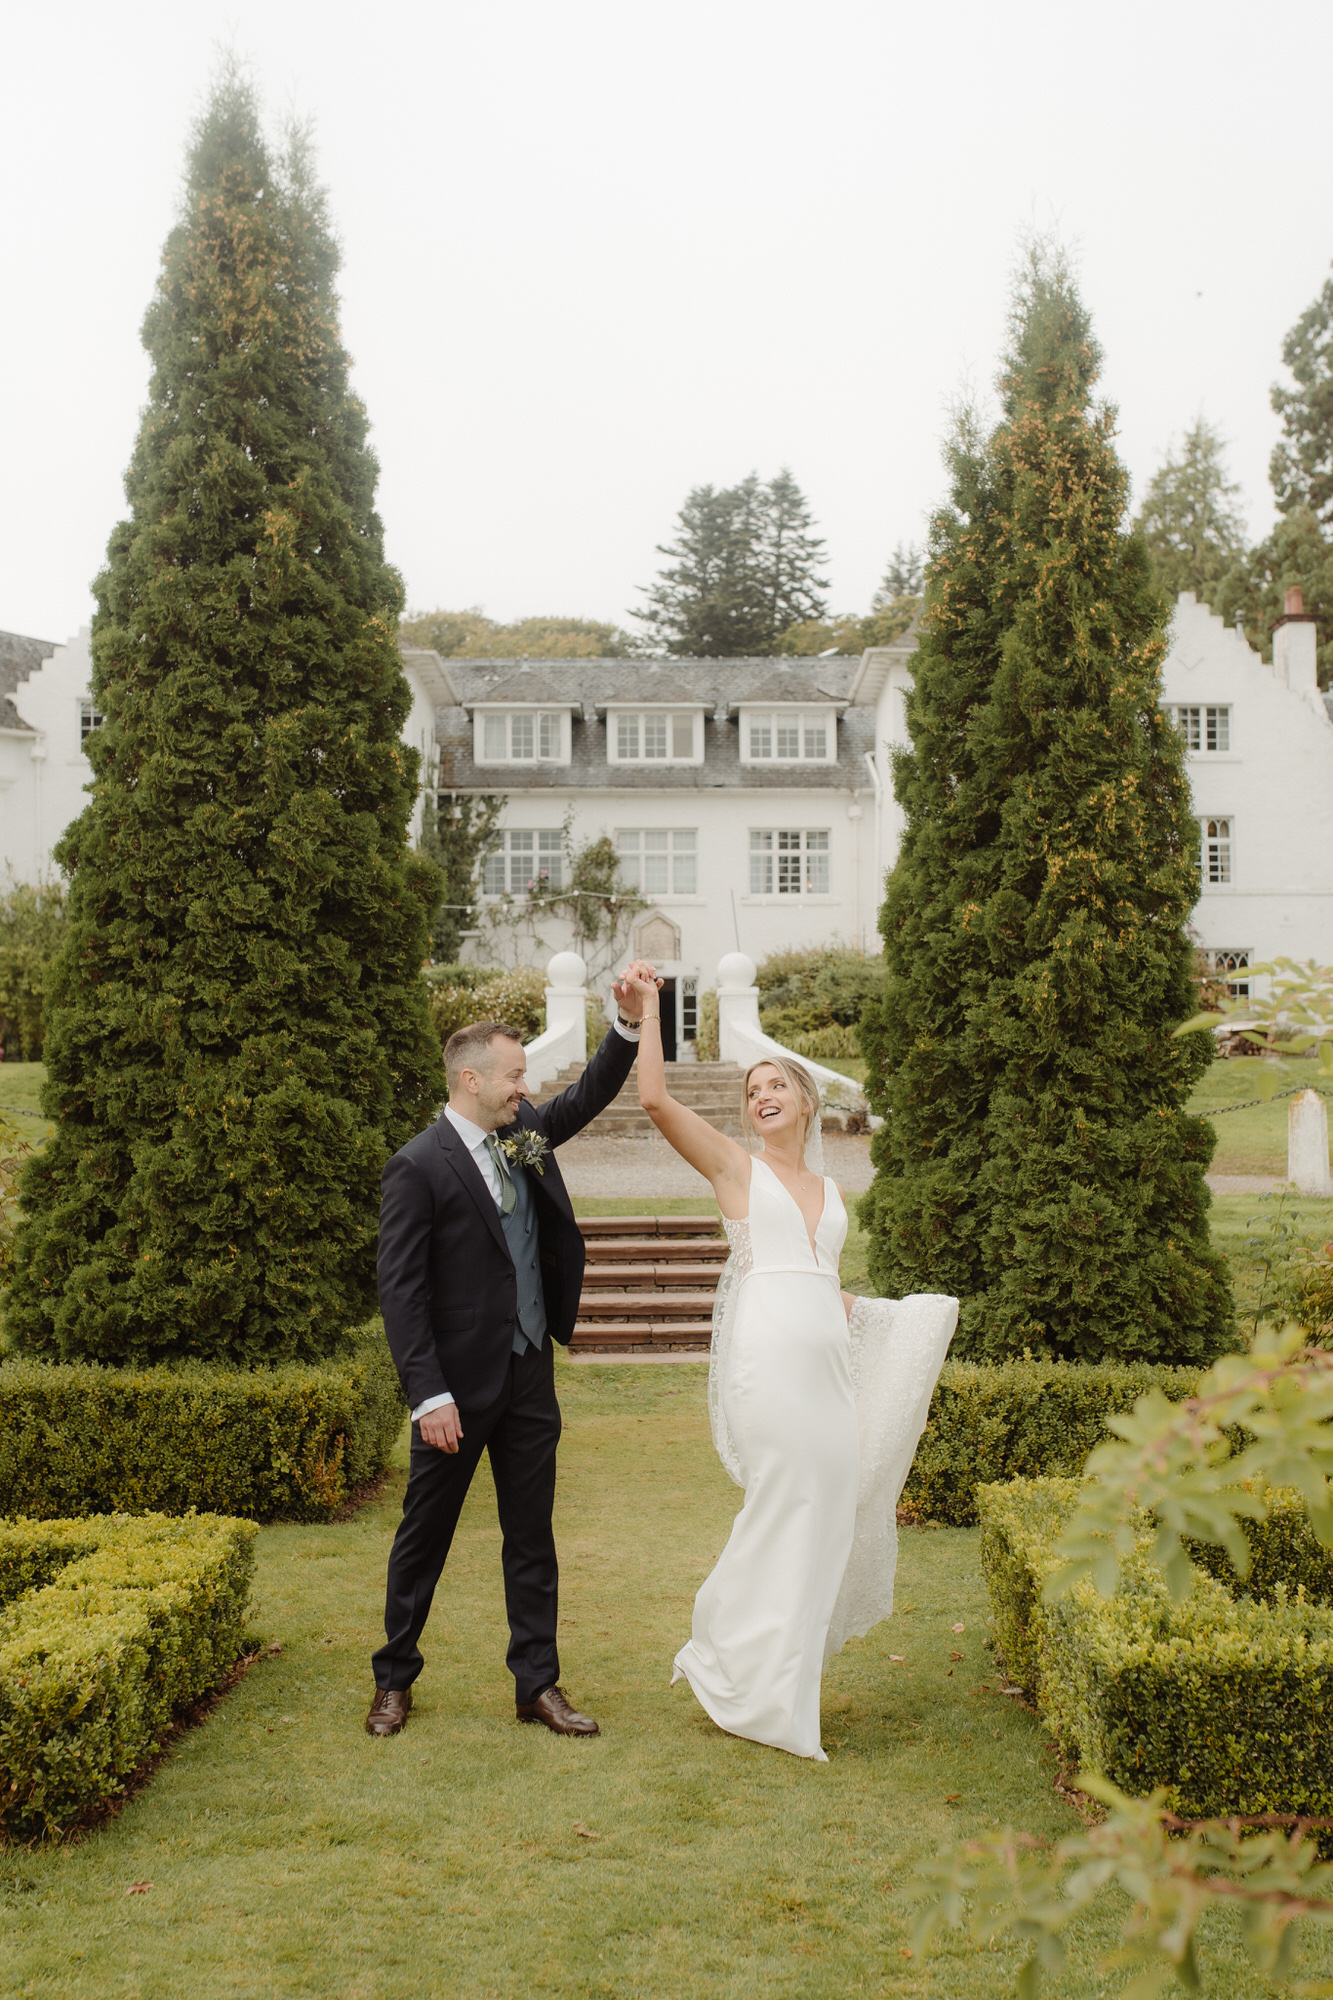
475, 1139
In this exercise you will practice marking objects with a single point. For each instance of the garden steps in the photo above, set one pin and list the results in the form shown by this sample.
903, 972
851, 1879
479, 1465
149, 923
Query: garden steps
711, 1089
648, 1283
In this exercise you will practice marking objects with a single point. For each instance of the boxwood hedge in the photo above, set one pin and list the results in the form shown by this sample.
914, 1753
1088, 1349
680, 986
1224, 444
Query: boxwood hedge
1222, 1698
1020, 1419
108, 1628
286, 1443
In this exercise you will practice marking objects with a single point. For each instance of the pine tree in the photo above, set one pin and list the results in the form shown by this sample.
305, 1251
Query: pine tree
1036, 1157
239, 1031
1301, 467
744, 569
902, 577
1190, 519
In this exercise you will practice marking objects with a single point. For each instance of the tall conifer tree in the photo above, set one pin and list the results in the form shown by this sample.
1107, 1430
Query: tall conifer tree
1036, 1157
239, 1031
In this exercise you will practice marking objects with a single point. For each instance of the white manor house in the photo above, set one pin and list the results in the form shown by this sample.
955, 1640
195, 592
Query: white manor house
751, 801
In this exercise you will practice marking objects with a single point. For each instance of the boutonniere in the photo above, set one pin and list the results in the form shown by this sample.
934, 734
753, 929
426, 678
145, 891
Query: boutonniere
526, 1149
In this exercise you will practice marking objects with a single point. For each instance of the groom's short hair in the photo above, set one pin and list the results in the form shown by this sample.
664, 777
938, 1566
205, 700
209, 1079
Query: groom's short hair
469, 1048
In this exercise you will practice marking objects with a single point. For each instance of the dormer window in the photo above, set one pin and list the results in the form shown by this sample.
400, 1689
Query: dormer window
788, 736
654, 736
522, 736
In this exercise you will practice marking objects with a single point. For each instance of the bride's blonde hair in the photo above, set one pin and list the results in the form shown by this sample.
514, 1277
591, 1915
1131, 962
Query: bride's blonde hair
798, 1081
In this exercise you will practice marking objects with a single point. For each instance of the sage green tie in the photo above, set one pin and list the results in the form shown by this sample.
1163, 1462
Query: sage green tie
507, 1195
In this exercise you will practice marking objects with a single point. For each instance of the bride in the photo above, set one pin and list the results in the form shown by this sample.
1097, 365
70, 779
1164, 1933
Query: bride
817, 1401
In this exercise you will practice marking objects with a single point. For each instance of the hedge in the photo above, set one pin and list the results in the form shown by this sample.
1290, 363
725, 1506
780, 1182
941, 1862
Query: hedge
1020, 1419
108, 1628
286, 1443
1222, 1698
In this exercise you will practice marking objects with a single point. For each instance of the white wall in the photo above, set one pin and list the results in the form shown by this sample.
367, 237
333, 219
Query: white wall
1275, 784
42, 777
710, 921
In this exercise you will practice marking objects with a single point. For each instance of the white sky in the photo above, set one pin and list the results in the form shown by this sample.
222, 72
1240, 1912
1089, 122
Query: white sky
599, 251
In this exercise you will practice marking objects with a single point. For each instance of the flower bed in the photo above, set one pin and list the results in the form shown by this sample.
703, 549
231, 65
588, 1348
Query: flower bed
1222, 1698
284, 1443
109, 1626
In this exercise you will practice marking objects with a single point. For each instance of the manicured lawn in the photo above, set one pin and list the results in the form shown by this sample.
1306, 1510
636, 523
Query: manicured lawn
20, 1091
291, 1855
1253, 1141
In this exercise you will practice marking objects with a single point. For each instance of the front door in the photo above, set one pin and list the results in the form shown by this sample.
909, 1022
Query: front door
669, 1019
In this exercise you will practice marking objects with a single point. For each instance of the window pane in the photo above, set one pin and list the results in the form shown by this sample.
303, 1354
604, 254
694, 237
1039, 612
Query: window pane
627, 736
816, 739
551, 857
789, 739
549, 745
761, 737
520, 738
684, 877
89, 719
682, 736
520, 862
1216, 855
761, 864
789, 864
493, 873
655, 879
817, 860
628, 846
654, 736
1218, 728
493, 736
1187, 720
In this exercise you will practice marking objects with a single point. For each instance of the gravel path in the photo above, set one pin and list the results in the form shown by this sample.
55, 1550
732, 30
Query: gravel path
1245, 1183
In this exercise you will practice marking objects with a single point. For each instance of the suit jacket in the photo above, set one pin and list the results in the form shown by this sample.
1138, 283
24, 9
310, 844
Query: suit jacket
446, 1278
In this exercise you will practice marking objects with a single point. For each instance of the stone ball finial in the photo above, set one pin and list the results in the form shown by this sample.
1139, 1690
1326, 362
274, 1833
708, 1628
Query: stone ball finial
735, 969
567, 970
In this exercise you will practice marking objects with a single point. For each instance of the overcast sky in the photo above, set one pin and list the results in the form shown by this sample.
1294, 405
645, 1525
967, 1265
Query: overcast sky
599, 251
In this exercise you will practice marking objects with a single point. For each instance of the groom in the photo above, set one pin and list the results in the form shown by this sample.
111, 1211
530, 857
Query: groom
480, 1269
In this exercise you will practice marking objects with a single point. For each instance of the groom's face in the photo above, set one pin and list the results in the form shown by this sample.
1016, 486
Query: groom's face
501, 1084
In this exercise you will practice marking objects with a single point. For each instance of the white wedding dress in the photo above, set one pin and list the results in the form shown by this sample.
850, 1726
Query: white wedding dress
818, 1421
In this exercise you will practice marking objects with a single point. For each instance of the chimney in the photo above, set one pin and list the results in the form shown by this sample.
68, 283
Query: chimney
1295, 638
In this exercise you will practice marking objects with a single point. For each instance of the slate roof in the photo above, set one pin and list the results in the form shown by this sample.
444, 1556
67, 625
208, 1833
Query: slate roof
587, 686
19, 657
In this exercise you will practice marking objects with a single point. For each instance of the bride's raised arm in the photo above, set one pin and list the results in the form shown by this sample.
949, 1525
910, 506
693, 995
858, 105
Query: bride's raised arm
711, 1152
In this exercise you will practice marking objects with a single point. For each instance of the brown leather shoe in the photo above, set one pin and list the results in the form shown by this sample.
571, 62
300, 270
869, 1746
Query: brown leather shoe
389, 1711
554, 1710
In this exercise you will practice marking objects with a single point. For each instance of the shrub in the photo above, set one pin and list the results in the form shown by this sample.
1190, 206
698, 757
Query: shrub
1012, 1419
706, 1039
822, 986
831, 1044
286, 1443
516, 996
109, 1626
1222, 1698
32, 930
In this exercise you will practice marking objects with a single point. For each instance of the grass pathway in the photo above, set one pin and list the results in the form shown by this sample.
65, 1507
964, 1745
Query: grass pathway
291, 1855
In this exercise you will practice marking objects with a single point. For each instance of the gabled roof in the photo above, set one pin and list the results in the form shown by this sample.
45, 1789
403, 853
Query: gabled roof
526, 686
650, 692
19, 657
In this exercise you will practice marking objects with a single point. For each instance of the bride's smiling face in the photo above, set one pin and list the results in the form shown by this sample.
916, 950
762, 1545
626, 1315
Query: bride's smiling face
771, 1102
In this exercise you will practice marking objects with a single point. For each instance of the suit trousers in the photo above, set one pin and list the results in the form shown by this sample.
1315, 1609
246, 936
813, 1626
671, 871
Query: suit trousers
520, 1430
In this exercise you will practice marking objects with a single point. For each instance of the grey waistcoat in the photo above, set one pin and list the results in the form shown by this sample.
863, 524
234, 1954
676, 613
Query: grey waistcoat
520, 1230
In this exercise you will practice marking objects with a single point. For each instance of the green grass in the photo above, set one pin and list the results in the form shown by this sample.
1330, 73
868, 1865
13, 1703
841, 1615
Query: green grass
1253, 1141
291, 1855
20, 1092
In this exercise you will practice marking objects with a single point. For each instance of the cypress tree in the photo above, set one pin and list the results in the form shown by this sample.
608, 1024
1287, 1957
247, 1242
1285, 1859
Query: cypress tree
1036, 1158
238, 1031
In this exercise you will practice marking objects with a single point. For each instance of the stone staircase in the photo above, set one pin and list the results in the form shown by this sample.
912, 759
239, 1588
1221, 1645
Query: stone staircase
711, 1089
649, 1282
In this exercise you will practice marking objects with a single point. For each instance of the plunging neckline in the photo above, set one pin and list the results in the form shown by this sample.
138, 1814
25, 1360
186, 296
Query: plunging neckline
814, 1248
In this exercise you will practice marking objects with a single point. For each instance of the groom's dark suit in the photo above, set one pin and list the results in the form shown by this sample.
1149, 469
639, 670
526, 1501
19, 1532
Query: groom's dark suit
449, 1296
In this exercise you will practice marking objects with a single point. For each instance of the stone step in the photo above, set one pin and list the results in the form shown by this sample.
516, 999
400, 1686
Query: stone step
711, 1089
611, 1251
651, 1278
654, 1305
595, 1227
677, 1336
